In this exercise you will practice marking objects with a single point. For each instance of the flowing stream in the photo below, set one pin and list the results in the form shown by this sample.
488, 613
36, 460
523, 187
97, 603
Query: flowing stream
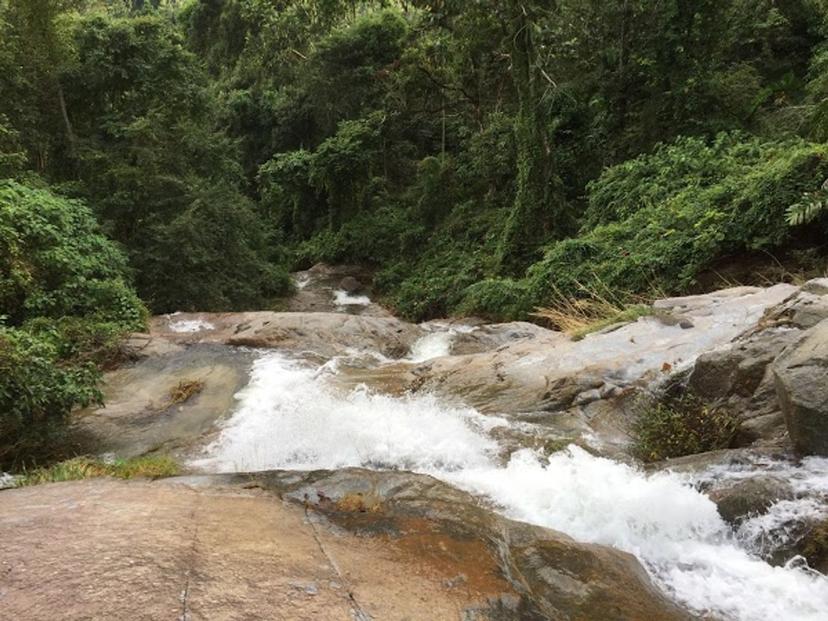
291, 417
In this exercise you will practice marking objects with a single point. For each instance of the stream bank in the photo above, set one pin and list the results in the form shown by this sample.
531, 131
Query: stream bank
532, 426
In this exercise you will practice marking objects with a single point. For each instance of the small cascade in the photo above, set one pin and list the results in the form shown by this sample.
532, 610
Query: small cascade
291, 417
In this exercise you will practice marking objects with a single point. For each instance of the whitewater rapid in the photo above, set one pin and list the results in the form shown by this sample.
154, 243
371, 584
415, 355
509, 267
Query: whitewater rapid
290, 417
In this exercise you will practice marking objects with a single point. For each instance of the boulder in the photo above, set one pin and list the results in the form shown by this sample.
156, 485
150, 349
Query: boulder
739, 367
801, 379
350, 284
747, 497
814, 546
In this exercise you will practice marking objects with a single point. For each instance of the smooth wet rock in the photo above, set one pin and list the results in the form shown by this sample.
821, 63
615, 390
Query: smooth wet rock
316, 290
488, 337
350, 284
553, 576
749, 497
141, 412
801, 375
300, 546
113, 550
550, 372
323, 334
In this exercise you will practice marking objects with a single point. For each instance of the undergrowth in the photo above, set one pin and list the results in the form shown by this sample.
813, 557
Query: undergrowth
683, 427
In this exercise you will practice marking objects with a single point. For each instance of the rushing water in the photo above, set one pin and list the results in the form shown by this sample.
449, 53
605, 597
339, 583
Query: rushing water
289, 417
343, 298
188, 325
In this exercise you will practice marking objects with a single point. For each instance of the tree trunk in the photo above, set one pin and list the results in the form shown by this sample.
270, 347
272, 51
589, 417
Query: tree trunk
70, 134
532, 217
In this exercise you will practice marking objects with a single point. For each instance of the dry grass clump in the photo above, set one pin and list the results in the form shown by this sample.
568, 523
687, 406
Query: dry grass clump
595, 310
181, 393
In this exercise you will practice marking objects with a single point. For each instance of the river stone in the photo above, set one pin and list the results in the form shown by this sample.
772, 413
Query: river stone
801, 376
350, 284
739, 367
740, 499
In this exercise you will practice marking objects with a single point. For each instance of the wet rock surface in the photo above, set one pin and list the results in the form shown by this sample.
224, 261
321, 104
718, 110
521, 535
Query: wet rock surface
748, 497
801, 373
293, 545
365, 544
106, 550
320, 289
143, 412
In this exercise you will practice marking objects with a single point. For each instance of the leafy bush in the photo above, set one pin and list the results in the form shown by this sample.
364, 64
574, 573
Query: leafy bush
662, 218
496, 298
64, 304
218, 250
436, 269
686, 427
55, 262
38, 390
372, 237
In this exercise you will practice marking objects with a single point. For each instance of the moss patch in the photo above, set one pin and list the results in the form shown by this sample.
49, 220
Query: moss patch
80, 468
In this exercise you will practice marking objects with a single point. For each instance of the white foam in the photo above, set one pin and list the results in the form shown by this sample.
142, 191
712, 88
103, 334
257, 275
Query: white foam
781, 524
289, 417
343, 298
438, 341
430, 346
190, 325
673, 529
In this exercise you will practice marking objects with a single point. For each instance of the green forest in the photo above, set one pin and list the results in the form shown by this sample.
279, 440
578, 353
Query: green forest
483, 157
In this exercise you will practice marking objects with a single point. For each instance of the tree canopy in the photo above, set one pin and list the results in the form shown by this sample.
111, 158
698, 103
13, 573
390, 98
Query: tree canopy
481, 156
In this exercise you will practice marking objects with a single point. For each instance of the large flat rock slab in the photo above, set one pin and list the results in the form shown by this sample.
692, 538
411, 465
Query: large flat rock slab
323, 334
104, 550
141, 412
344, 545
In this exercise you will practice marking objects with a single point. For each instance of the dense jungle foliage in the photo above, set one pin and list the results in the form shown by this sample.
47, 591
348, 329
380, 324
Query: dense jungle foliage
485, 157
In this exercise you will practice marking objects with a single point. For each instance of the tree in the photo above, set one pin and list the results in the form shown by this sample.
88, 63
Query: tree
538, 209
41, 50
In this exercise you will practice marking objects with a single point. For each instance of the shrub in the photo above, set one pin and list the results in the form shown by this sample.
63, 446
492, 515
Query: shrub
685, 427
661, 219
64, 304
55, 262
38, 390
496, 298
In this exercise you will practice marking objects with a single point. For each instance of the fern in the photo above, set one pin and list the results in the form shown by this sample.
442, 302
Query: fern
811, 207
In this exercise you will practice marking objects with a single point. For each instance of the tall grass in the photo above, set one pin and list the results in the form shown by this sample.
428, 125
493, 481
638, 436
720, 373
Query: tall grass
595, 309
79, 468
